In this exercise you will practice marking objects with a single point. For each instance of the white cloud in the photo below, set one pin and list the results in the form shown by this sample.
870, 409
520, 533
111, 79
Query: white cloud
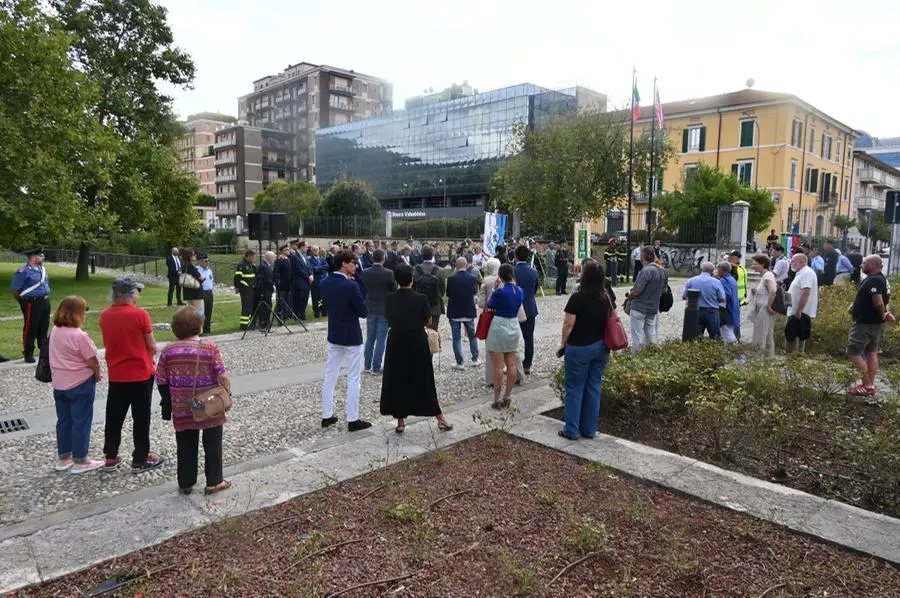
839, 56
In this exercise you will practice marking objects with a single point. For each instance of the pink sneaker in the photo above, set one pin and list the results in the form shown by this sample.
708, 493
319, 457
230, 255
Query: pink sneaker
862, 390
89, 465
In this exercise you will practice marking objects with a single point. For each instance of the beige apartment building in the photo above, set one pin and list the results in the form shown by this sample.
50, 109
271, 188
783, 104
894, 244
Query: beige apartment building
195, 148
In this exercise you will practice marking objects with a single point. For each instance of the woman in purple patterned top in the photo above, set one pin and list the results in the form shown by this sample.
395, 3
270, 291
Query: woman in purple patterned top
186, 368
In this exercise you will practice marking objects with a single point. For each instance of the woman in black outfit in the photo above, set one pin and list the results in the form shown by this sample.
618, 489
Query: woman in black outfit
586, 354
193, 297
408, 387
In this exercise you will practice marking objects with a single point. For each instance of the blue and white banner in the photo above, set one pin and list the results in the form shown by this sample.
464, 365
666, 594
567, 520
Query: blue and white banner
494, 232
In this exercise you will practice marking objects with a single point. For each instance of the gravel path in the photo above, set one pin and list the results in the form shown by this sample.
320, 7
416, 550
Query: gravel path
262, 423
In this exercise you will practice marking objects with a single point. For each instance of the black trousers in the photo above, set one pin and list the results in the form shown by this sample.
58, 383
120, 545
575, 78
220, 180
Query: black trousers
188, 442
561, 275
36, 313
248, 305
318, 304
612, 272
174, 287
120, 397
207, 310
637, 268
527, 328
301, 300
284, 306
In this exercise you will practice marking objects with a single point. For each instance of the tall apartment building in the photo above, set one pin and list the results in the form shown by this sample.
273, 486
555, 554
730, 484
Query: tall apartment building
247, 159
195, 148
305, 97
774, 141
873, 179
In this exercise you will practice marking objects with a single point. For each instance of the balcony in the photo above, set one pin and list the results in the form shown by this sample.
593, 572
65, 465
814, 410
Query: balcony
337, 106
827, 199
226, 211
342, 89
869, 202
226, 195
224, 161
225, 143
278, 165
226, 178
873, 176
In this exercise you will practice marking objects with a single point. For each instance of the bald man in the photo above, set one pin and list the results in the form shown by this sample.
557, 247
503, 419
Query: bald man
462, 287
870, 313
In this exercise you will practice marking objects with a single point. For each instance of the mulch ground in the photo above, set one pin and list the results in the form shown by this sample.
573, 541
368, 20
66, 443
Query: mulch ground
493, 516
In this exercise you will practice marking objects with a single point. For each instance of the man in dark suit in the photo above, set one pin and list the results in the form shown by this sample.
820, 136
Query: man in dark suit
265, 286
562, 261
462, 287
367, 258
392, 258
173, 267
379, 283
345, 308
831, 261
301, 279
282, 271
527, 278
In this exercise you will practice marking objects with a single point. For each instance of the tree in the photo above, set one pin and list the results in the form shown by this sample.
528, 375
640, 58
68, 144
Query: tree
843, 224
349, 197
45, 126
125, 47
708, 188
571, 168
205, 199
879, 231
297, 200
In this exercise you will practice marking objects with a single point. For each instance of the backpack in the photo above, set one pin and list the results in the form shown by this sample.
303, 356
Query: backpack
426, 282
666, 300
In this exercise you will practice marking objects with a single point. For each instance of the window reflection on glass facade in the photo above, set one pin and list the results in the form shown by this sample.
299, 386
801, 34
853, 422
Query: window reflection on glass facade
438, 156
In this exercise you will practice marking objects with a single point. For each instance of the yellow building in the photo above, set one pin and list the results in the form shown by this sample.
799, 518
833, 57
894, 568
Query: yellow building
775, 141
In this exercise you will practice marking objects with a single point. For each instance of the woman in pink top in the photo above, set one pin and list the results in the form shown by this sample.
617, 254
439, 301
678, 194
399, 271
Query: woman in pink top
76, 371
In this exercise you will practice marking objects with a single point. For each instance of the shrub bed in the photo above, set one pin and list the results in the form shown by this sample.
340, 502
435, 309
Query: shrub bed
785, 419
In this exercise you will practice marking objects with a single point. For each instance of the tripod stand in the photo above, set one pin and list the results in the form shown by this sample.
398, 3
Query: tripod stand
268, 325
290, 309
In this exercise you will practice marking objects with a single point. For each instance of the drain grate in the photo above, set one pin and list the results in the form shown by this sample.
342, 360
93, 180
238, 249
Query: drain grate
13, 425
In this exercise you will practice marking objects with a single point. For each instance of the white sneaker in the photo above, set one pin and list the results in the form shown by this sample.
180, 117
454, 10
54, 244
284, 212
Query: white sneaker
459, 366
63, 464
89, 465
477, 363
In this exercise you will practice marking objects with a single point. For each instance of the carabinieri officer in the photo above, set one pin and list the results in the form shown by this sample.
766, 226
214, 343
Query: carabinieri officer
31, 289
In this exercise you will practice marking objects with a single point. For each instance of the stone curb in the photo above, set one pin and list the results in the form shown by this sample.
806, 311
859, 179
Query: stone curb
834, 522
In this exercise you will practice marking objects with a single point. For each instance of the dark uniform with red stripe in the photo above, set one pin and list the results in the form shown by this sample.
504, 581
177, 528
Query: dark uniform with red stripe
31, 289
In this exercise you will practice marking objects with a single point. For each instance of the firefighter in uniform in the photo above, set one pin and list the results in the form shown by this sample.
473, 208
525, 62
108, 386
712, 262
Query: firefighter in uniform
615, 262
245, 285
32, 290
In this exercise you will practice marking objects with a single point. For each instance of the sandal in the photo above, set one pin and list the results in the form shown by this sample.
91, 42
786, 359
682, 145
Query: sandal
445, 427
506, 402
497, 404
399, 429
223, 485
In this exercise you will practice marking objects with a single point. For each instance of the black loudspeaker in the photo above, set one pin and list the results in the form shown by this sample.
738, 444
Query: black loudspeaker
258, 226
892, 207
278, 226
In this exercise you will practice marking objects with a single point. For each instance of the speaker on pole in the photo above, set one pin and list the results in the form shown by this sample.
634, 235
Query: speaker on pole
892, 207
278, 226
258, 226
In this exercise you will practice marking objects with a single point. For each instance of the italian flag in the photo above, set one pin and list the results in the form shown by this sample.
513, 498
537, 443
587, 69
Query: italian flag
635, 103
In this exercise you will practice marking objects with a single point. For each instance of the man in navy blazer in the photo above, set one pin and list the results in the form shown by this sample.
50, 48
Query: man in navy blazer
462, 288
301, 279
345, 342
527, 278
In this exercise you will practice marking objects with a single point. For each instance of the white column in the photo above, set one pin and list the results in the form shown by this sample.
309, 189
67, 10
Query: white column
740, 222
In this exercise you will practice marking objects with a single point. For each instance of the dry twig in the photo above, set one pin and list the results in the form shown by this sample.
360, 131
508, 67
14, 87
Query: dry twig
570, 565
777, 586
463, 550
443, 498
147, 575
328, 549
377, 582
373, 491
271, 523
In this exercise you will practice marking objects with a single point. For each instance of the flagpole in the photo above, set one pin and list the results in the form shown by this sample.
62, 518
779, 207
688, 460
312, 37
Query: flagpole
631, 166
652, 172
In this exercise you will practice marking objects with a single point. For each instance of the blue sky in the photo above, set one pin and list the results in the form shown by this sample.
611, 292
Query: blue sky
841, 57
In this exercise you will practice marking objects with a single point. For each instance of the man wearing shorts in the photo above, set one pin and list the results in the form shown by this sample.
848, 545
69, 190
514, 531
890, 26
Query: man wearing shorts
869, 312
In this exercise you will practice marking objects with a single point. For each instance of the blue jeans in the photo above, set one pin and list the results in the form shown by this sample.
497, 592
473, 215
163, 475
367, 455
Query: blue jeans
456, 330
74, 416
376, 335
708, 320
584, 367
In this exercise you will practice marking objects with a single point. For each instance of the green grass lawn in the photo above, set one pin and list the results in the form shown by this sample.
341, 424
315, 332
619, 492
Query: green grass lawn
97, 291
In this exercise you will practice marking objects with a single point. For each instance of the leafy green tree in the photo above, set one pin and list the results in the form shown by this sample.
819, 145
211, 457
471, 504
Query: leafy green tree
709, 188
205, 199
298, 200
45, 126
349, 197
571, 168
879, 231
125, 47
843, 224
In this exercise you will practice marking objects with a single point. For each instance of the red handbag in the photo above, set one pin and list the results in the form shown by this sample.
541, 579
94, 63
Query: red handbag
614, 336
484, 324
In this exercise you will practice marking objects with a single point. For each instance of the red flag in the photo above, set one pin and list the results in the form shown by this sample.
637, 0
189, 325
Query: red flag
635, 103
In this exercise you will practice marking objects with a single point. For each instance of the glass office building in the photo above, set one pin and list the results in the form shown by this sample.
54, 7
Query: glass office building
437, 159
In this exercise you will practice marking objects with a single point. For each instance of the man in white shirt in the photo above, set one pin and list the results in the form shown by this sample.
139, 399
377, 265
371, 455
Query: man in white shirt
780, 264
804, 294
636, 263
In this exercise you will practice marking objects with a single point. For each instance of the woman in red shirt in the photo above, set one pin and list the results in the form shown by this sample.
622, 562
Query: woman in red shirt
130, 349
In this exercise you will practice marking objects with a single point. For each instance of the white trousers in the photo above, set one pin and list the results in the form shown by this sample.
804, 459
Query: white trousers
728, 334
337, 354
643, 329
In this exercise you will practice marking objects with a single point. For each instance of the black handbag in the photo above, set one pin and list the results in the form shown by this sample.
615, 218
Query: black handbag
42, 370
778, 303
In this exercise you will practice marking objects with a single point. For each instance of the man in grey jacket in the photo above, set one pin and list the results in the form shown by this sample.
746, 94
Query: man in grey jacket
379, 283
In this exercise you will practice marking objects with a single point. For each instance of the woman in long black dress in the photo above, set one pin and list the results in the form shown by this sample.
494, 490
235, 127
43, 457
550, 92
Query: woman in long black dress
407, 386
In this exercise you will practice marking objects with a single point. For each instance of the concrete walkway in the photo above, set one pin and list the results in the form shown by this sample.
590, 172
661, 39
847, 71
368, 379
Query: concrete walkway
64, 542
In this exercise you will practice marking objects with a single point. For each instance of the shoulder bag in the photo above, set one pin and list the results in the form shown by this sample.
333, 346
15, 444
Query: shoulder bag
434, 340
484, 324
188, 281
614, 336
42, 371
210, 403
